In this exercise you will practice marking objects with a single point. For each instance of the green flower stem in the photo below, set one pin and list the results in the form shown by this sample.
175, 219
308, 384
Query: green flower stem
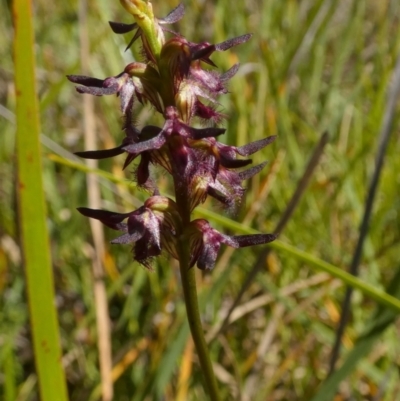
193, 314
190, 293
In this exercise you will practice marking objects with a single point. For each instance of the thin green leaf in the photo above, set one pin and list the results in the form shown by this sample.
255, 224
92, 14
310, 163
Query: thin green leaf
10, 390
367, 289
32, 213
169, 361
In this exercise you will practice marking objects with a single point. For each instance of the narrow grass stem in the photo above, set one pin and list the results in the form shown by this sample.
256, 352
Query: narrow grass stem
193, 314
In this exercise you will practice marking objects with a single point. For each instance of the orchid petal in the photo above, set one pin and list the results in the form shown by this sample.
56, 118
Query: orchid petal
230, 73
227, 44
234, 163
135, 37
86, 81
151, 144
110, 219
253, 147
201, 133
174, 16
98, 91
208, 256
245, 175
121, 28
127, 238
101, 154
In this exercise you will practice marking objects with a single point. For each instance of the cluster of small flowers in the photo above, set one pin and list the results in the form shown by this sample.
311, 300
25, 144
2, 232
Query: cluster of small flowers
173, 80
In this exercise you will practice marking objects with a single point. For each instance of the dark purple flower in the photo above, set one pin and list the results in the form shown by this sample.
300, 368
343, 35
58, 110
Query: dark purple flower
212, 81
122, 85
137, 80
190, 102
180, 61
226, 154
206, 242
212, 174
178, 54
151, 228
173, 126
227, 186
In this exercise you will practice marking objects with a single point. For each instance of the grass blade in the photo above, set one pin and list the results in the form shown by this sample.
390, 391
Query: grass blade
32, 213
382, 319
379, 296
10, 389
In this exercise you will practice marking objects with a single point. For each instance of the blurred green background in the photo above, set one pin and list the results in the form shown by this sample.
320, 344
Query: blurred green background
311, 66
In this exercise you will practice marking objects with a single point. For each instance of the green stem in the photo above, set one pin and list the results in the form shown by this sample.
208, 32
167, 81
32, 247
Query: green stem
192, 310
142, 11
190, 292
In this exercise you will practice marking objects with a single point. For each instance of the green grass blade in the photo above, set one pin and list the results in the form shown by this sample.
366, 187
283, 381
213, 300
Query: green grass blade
32, 213
379, 296
381, 320
169, 361
10, 390
86, 169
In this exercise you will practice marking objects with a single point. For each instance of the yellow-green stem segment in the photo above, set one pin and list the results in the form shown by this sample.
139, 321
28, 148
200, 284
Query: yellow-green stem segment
190, 292
192, 310
142, 11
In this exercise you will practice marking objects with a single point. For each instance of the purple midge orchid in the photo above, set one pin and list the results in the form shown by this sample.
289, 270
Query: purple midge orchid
173, 80
175, 83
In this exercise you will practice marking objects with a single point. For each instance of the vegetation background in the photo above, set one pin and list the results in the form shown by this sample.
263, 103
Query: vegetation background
312, 66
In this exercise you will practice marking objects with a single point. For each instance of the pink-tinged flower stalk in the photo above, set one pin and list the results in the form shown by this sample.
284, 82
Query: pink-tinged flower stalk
172, 78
